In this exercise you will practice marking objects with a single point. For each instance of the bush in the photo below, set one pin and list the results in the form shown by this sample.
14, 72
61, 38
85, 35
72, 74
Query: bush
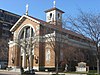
92, 74
92, 71
58, 74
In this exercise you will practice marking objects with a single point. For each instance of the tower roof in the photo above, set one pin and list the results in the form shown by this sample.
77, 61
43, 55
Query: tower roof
54, 9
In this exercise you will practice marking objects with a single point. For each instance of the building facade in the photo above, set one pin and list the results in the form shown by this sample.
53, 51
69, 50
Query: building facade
7, 20
42, 44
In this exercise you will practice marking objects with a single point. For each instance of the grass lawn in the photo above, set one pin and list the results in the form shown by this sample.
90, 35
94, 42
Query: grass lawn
91, 72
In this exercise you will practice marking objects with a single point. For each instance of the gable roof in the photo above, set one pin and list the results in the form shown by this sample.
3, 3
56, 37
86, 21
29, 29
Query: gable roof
54, 9
17, 24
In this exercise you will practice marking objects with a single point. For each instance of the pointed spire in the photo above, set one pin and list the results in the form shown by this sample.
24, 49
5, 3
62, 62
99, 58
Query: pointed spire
54, 3
27, 9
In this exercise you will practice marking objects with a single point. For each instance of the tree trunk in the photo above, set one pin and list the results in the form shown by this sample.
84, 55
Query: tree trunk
97, 58
98, 66
57, 65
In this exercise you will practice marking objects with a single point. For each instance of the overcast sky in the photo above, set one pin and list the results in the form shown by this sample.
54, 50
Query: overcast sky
37, 7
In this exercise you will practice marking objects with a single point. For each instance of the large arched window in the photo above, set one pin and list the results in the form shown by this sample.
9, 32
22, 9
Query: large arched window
26, 32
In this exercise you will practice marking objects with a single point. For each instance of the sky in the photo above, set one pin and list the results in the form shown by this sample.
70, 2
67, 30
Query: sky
37, 7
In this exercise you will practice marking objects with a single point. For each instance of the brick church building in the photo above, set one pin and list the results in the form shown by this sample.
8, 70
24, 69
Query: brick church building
42, 44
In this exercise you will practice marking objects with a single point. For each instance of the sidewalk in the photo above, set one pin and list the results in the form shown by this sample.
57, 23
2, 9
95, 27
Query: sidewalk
75, 74
37, 73
8, 72
50, 73
47, 73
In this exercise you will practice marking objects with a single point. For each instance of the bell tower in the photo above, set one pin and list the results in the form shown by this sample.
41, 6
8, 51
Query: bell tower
54, 16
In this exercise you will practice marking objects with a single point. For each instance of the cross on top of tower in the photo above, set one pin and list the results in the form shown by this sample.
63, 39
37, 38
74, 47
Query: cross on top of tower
54, 3
27, 9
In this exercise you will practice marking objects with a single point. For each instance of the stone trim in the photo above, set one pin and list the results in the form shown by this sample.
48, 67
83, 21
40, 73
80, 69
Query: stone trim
12, 43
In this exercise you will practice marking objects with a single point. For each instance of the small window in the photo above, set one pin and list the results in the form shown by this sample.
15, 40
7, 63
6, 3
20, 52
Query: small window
58, 16
50, 15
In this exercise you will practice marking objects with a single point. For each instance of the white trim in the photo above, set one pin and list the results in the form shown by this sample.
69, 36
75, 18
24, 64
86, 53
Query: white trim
22, 18
32, 19
15, 66
16, 23
36, 68
50, 66
15, 69
12, 43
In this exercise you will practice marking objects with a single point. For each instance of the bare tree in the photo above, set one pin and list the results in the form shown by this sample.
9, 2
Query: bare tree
73, 55
52, 39
28, 44
88, 26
